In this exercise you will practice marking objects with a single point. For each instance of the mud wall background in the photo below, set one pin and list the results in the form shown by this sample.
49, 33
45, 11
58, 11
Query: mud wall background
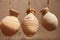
21, 6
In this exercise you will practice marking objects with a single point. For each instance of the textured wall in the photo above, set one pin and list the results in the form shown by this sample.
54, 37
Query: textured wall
21, 6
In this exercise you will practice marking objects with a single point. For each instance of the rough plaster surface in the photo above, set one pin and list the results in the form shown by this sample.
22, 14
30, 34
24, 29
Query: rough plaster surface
21, 6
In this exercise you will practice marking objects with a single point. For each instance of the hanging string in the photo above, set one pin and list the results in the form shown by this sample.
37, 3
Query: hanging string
29, 3
9, 4
48, 3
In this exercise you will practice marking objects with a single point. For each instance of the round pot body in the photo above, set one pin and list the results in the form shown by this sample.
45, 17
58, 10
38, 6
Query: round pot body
49, 21
30, 25
10, 25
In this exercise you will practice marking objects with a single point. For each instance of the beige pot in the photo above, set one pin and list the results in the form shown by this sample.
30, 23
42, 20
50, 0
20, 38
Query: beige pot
30, 24
10, 24
49, 21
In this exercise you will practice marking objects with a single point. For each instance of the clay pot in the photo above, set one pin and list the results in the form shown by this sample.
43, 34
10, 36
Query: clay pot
10, 24
49, 21
30, 23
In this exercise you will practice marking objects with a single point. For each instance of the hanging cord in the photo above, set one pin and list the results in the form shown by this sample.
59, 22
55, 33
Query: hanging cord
45, 10
48, 3
29, 3
30, 10
9, 4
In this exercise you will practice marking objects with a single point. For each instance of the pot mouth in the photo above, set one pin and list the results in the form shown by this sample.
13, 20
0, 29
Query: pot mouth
44, 11
31, 10
13, 12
